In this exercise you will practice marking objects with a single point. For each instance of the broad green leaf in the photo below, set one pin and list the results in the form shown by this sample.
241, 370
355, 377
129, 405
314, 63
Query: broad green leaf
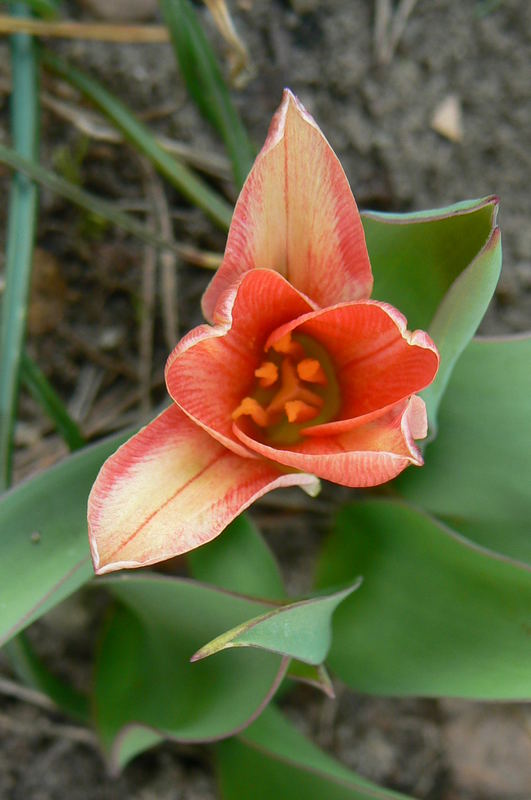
43, 524
440, 268
437, 615
21, 226
193, 188
460, 313
205, 83
272, 759
477, 474
239, 561
299, 630
316, 676
416, 257
144, 677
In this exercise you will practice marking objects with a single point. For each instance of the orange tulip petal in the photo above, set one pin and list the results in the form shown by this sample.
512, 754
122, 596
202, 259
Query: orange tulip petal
169, 489
212, 369
296, 214
378, 362
368, 455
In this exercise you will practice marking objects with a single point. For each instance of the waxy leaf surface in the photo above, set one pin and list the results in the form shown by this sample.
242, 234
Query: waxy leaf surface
239, 561
440, 268
272, 759
316, 676
436, 615
45, 553
145, 686
478, 471
300, 630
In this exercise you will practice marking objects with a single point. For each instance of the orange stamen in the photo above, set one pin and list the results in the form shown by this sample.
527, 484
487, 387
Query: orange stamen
268, 374
287, 346
298, 411
292, 390
311, 371
252, 408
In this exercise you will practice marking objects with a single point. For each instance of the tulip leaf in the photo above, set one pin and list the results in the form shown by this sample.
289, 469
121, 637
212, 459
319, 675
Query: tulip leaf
477, 475
144, 678
45, 552
416, 257
437, 614
300, 630
440, 268
272, 759
316, 676
239, 561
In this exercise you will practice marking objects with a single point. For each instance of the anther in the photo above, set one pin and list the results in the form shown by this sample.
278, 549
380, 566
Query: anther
292, 390
288, 347
299, 411
268, 374
252, 408
311, 371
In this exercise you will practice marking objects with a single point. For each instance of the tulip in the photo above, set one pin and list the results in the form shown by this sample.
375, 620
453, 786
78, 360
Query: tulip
298, 376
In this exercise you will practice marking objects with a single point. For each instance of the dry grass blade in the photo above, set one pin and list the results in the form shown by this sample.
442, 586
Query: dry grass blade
148, 292
93, 125
19, 692
169, 266
389, 27
241, 69
98, 31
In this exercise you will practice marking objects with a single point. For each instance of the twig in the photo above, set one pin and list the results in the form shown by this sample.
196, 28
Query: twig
73, 733
382, 22
169, 267
99, 31
241, 69
389, 27
149, 283
13, 689
402, 14
88, 384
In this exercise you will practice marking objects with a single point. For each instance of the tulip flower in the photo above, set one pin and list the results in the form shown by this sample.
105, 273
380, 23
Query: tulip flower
298, 376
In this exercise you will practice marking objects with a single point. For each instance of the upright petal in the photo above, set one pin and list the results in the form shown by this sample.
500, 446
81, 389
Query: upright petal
296, 214
367, 455
170, 489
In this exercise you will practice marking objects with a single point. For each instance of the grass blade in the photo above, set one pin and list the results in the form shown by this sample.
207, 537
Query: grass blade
22, 219
205, 83
188, 184
86, 200
45, 395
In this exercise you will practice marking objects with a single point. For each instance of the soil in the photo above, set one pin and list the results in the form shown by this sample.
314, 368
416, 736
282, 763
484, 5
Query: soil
84, 333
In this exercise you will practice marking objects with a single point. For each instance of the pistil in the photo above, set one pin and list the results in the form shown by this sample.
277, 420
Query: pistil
296, 387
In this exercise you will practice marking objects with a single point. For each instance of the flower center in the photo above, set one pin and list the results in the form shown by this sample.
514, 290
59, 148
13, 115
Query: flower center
296, 387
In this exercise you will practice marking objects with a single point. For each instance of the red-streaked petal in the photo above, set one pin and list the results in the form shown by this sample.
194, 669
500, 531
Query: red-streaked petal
378, 361
364, 456
212, 369
296, 214
170, 489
